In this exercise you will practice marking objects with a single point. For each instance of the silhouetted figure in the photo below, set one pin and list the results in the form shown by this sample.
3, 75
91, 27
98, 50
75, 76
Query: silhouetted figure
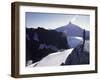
83, 40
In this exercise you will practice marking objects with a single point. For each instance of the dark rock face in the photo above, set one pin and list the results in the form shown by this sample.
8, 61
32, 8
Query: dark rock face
78, 56
41, 42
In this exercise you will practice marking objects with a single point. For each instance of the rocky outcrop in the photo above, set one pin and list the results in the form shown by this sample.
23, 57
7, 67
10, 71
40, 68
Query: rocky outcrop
41, 42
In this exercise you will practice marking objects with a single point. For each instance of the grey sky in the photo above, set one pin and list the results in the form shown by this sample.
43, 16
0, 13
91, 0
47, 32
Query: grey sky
52, 21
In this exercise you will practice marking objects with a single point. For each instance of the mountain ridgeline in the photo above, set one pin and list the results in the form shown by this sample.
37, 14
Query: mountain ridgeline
73, 30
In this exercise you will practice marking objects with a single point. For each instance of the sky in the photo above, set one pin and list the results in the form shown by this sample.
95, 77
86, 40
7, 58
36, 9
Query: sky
55, 20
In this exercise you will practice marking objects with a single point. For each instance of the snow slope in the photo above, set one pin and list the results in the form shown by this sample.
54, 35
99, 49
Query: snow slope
54, 59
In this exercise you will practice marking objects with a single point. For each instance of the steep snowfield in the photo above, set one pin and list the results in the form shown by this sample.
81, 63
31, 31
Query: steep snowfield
54, 59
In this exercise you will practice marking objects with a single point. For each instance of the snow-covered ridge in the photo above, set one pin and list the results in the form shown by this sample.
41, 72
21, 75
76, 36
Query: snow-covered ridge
53, 59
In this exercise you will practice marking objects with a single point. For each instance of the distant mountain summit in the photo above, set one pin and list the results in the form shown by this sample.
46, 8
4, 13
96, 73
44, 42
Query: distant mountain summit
73, 30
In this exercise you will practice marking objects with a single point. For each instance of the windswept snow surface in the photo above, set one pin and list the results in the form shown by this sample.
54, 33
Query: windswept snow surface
53, 59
